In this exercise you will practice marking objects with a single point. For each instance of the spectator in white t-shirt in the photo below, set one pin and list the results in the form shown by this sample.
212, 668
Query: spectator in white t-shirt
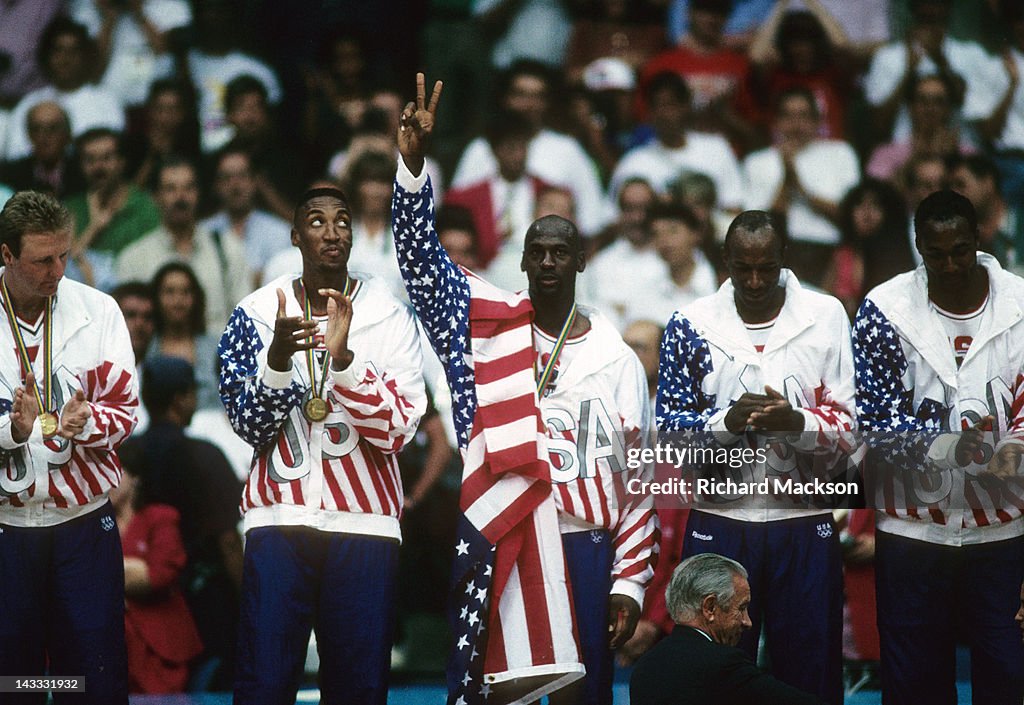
676, 148
630, 250
553, 157
132, 41
805, 178
214, 62
64, 53
1005, 123
927, 49
262, 234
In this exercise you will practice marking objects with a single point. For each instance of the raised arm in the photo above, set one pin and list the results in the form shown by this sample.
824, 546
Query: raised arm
438, 289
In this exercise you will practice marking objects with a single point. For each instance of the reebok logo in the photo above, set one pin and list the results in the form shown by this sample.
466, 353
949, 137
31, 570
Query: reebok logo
702, 537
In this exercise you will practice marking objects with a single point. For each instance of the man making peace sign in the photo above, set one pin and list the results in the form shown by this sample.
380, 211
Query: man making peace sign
547, 401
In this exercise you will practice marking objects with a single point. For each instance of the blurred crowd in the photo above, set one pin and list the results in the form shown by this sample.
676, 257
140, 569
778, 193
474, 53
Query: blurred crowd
181, 133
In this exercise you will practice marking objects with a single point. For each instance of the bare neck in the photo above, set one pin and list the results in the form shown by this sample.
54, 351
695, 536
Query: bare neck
27, 305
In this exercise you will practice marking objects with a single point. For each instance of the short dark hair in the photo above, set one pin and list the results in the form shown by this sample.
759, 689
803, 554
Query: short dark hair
163, 378
228, 150
174, 161
97, 133
31, 212
979, 165
525, 67
669, 81
661, 210
319, 192
242, 86
554, 225
721, 7
372, 166
802, 25
945, 206
197, 317
455, 217
57, 28
752, 221
915, 5
134, 288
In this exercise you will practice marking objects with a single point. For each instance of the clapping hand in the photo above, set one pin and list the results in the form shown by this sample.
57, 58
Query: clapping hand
24, 410
339, 320
291, 334
74, 416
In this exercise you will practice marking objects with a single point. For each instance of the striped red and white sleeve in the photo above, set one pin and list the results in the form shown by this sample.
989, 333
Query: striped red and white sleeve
829, 418
385, 399
636, 535
110, 389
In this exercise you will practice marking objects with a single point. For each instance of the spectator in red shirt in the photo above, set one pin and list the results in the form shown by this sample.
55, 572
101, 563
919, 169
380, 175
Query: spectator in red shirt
717, 75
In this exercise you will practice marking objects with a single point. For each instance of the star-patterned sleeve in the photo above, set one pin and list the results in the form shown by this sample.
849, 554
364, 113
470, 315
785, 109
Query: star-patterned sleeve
256, 411
885, 408
685, 360
438, 289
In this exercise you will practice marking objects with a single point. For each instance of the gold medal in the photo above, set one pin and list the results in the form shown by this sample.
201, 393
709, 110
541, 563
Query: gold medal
315, 409
44, 397
48, 424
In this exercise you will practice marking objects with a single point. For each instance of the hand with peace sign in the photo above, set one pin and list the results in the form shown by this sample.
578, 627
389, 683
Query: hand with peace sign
416, 124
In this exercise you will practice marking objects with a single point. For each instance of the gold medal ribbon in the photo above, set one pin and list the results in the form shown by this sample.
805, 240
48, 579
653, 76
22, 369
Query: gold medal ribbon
44, 399
549, 368
311, 353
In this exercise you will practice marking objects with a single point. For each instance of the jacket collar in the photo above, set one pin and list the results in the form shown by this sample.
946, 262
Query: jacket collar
726, 329
915, 317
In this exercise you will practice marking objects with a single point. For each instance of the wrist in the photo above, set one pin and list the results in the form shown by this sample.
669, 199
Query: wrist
278, 362
341, 362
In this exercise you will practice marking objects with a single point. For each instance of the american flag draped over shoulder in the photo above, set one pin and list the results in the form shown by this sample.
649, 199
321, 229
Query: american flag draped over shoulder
509, 549
512, 609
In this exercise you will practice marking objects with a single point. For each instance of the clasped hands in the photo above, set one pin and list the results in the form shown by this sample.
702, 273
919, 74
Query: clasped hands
768, 412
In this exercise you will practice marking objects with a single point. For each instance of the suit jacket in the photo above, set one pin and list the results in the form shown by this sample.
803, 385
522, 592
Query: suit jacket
687, 668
